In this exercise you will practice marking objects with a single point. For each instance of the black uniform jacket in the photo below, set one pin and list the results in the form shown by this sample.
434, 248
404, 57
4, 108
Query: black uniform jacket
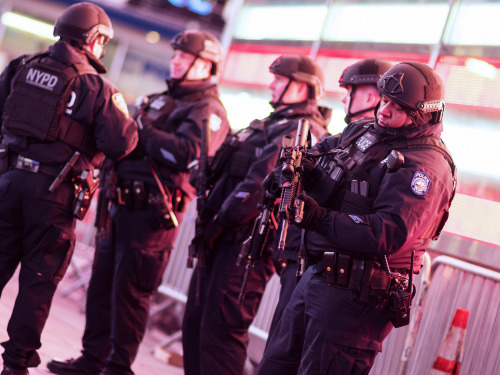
96, 103
171, 134
238, 191
400, 211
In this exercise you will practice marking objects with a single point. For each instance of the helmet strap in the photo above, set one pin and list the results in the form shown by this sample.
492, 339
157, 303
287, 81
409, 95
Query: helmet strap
349, 115
174, 83
279, 102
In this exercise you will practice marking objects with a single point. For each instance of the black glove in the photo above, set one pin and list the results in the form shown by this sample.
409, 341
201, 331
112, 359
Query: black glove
272, 183
308, 176
313, 213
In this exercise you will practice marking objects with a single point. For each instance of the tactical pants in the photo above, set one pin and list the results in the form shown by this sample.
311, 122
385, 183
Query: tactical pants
128, 268
325, 330
288, 281
215, 333
37, 231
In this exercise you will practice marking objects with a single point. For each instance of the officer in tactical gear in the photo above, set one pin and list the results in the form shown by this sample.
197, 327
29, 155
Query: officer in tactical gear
360, 82
361, 98
59, 120
147, 202
215, 328
377, 196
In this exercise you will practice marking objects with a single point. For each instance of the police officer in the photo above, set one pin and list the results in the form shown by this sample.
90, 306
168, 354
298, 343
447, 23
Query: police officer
55, 108
361, 98
215, 331
373, 205
360, 82
131, 260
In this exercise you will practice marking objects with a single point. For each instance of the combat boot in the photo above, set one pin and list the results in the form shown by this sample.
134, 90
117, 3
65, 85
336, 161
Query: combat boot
74, 366
7, 370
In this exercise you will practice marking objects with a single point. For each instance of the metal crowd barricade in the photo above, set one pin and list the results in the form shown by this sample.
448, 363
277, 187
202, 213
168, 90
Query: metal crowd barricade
457, 284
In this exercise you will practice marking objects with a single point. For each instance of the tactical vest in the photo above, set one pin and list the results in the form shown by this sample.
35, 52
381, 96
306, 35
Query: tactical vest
235, 156
356, 169
36, 105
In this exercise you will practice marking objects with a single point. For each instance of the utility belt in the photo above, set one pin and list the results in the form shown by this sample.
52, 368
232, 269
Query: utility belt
139, 195
374, 284
33, 166
84, 182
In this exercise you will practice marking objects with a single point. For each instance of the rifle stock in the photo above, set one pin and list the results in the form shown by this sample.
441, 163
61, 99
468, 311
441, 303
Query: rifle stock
195, 249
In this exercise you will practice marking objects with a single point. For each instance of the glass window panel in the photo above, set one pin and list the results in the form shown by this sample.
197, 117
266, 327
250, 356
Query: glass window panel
475, 22
276, 20
413, 22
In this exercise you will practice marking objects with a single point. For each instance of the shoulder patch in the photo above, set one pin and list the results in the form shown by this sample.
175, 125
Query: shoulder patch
158, 103
356, 219
119, 103
214, 122
420, 183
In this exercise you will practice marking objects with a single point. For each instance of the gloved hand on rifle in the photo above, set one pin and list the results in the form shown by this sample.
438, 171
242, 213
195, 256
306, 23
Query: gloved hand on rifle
272, 183
313, 213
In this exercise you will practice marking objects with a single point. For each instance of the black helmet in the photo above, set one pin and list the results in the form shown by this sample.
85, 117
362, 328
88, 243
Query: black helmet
416, 87
201, 44
82, 22
364, 72
301, 69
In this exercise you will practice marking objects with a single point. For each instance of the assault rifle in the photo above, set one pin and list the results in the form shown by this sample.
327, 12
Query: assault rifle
292, 209
291, 161
196, 247
254, 246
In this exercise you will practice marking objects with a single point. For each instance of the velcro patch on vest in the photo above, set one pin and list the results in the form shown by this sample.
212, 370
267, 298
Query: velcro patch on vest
158, 103
242, 194
119, 103
420, 183
366, 141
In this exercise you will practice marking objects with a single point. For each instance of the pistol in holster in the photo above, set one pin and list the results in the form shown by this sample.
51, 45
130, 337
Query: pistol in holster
85, 187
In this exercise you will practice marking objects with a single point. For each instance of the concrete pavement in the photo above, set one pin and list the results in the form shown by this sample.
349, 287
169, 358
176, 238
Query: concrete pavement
61, 337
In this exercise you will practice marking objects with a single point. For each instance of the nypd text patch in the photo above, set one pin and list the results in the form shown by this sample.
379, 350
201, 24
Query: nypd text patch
420, 183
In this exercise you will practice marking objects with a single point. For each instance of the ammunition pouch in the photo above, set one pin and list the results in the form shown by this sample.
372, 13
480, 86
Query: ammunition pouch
85, 187
357, 204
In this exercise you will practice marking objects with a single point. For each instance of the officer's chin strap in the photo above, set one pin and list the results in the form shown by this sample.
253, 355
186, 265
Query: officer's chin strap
175, 82
349, 116
279, 102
